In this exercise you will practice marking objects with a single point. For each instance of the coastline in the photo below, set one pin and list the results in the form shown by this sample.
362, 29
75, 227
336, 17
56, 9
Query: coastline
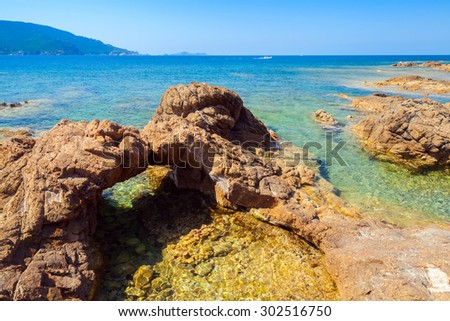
332, 230
294, 198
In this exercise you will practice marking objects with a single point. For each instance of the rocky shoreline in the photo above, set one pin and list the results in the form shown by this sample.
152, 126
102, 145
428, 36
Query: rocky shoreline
417, 83
428, 64
51, 187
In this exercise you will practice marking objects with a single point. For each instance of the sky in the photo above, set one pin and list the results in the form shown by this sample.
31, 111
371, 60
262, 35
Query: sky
246, 27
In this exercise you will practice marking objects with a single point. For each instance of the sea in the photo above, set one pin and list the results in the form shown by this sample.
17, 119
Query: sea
283, 92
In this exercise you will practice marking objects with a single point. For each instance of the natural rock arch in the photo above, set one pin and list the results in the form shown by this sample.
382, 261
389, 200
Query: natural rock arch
54, 184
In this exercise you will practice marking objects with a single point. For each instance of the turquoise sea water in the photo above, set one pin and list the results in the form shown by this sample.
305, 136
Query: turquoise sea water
283, 92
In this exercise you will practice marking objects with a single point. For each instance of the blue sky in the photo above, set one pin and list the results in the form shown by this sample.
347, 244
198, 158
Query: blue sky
249, 26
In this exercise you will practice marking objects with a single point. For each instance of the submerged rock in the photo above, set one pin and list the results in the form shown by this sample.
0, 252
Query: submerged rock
15, 104
254, 261
324, 117
412, 132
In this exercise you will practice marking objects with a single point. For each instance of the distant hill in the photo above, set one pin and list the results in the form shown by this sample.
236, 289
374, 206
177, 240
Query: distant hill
185, 53
20, 38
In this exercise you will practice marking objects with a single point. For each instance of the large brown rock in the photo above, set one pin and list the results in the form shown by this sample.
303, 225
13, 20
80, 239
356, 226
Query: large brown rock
413, 132
45, 226
215, 109
212, 139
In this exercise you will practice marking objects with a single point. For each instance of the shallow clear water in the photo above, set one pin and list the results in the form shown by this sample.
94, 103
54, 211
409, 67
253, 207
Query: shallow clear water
160, 245
283, 92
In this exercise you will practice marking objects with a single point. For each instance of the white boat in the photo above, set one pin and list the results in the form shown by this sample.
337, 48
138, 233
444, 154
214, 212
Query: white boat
264, 57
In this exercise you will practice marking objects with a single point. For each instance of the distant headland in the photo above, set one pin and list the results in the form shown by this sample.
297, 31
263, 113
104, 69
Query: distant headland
185, 53
21, 38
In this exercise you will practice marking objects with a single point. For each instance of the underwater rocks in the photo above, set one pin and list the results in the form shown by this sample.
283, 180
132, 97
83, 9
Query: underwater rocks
50, 209
412, 132
234, 257
324, 117
417, 83
14, 104
368, 259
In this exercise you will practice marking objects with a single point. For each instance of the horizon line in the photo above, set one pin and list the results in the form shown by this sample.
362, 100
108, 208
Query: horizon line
243, 55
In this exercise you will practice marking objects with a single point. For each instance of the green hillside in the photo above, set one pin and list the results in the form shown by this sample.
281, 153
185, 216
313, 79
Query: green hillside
32, 39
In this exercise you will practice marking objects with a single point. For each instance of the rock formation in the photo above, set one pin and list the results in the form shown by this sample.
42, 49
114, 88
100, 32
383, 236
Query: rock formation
368, 259
51, 191
443, 67
208, 133
431, 64
428, 64
417, 83
325, 118
405, 64
413, 132
14, 104
376, 103
216, 146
